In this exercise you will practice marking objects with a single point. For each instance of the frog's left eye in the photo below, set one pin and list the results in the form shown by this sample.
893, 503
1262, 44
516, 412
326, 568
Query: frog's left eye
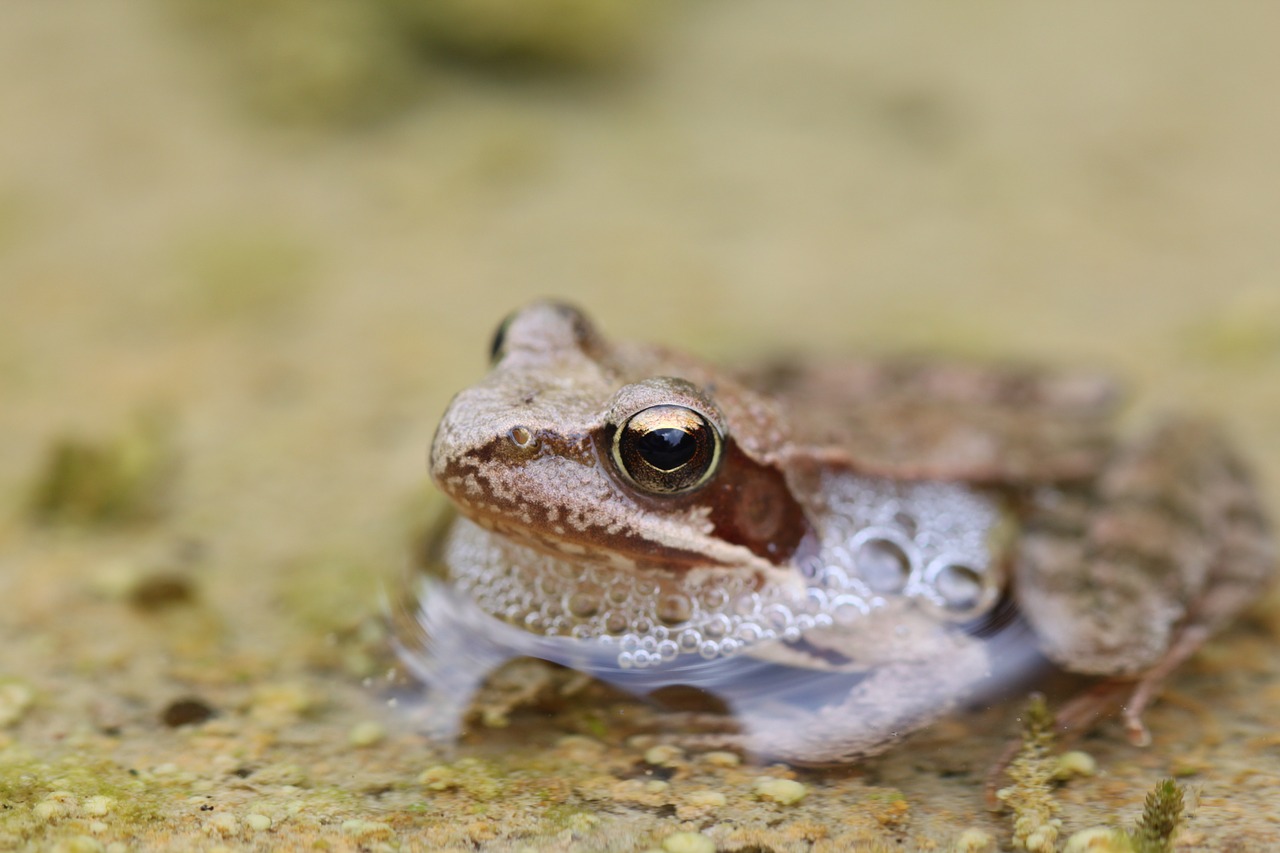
667, 450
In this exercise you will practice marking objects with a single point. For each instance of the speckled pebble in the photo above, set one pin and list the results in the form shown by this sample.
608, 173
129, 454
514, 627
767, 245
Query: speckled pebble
366, 733
98, 806
223, 825
438, 777
722, 759
580, 748
706, 799
975, 841
1099, 839
55, 806
1075, 763
663, 755
688, 842
785, 792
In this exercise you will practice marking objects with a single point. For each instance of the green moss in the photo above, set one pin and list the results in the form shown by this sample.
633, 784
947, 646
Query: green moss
345, 62
556, 33
564, 816
1161, 815
102, 482
310, 61
26, 783
1030, 797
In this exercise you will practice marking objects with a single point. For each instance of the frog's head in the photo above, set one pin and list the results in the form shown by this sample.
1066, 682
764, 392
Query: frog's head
622, 455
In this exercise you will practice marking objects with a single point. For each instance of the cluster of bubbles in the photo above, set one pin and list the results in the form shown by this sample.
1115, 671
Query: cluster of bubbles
879, 543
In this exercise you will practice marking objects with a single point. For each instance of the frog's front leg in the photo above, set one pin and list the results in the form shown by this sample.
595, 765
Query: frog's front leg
837, 717
1129, 580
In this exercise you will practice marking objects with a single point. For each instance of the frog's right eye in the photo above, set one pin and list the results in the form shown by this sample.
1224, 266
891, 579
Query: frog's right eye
667, 450
499, 339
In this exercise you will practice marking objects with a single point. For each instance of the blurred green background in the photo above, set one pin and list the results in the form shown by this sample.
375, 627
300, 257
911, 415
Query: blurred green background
291, 226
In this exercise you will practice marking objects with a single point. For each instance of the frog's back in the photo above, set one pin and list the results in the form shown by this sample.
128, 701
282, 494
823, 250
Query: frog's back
921, 419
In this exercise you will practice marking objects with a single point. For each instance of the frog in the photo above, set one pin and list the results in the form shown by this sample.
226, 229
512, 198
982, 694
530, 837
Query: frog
843, 549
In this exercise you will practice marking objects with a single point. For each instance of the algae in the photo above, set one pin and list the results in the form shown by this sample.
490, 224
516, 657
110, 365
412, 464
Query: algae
121, 480
1155, 829
1030, 797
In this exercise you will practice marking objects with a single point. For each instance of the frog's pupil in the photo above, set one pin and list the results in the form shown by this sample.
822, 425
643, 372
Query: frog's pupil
667, 448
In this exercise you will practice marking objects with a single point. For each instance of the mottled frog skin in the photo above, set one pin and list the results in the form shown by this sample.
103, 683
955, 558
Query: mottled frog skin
843, 550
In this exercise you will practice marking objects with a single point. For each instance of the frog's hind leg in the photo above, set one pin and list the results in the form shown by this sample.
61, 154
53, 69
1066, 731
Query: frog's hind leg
1129, 581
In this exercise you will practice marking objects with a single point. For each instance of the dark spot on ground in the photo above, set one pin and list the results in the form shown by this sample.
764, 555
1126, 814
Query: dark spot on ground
186, 712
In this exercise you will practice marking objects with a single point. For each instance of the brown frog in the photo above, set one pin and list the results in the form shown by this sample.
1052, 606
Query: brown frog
842, 550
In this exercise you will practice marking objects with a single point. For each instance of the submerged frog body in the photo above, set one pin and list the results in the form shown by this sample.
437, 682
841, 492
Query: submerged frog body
842, 551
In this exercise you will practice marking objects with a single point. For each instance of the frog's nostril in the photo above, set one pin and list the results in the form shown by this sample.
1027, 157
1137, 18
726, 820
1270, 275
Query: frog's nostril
522, 437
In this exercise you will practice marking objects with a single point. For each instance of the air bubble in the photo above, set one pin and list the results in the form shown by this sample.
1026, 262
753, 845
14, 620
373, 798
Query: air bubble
883, 565
959, 586
667, 650
550, 586
717, 626
709, 650
689, 640
615, 622
834, 577
746, 605
674, 609
906, 522
585, 603
714, 599
776, 616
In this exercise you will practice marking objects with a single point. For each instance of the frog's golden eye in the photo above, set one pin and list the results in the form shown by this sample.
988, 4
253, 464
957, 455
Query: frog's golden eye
667, 450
